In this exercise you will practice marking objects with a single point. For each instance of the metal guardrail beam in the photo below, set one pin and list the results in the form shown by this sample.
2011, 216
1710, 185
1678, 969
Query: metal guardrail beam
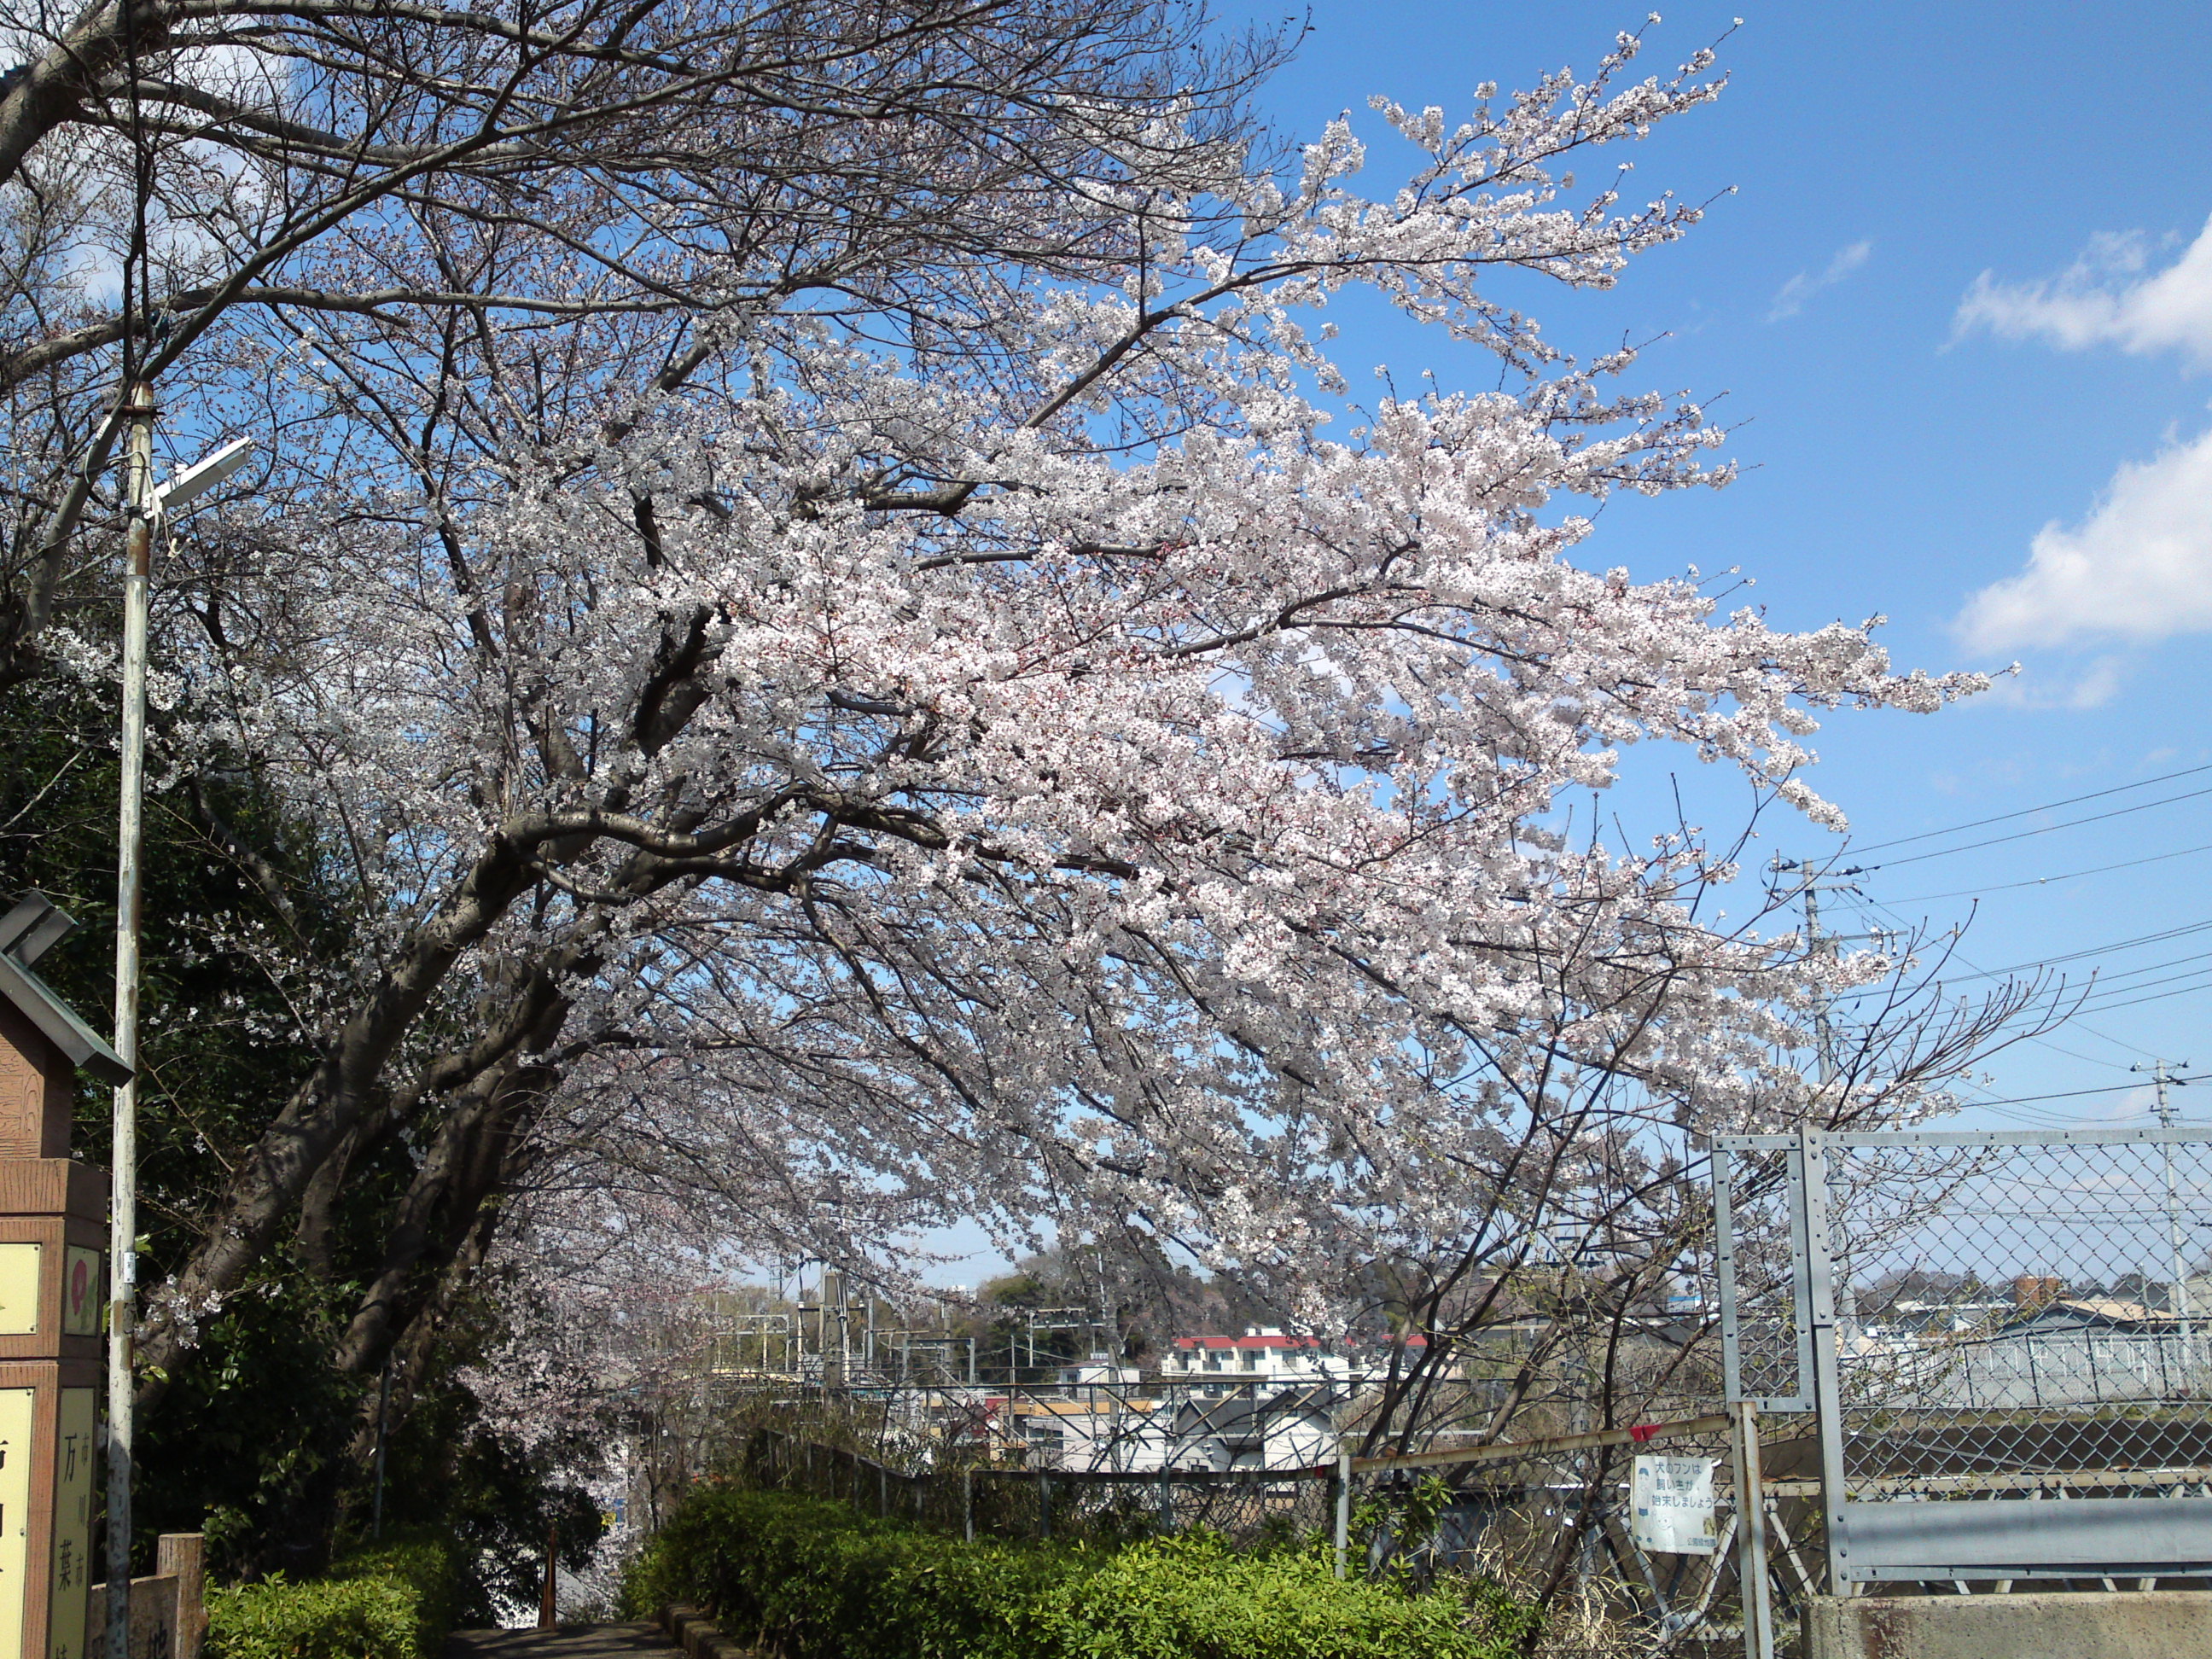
2153, 1132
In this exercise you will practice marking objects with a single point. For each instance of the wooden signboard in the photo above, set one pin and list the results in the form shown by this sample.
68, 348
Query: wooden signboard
53, 1233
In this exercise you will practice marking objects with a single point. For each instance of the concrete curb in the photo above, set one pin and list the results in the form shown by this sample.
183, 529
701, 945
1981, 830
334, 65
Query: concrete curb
699, 1636
2042, 1624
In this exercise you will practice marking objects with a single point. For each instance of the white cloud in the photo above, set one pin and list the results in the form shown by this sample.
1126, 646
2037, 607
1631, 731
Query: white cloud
2104, 298
1789, 298
2093, 689
2139, 567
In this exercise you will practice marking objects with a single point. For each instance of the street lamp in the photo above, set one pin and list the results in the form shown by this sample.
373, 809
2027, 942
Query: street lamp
147, 503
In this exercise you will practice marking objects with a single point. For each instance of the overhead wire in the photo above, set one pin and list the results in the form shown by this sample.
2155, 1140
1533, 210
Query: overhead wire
2136, 1002
2114, 993
2045, 881
2141, 939
2040, 1041
2047, 806
2114, 984
2075, 1094
2024, 835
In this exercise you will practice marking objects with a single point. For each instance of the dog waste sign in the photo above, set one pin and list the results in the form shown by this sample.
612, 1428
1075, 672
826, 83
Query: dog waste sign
1673, 1500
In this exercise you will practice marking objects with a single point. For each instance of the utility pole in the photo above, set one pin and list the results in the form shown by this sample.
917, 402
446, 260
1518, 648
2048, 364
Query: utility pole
123, 1210
147, 503
1823, 1033
2161, 1072
1817, 943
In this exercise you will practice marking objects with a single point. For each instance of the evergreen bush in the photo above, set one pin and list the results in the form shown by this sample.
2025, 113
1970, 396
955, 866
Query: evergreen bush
390, 1600
814, 1580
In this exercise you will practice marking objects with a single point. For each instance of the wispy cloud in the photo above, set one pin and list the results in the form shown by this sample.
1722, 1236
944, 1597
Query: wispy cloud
2139, 567
2092, 688
2104, 298
1789, 298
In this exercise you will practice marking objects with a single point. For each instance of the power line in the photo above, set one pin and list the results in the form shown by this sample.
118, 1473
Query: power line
2182, 932
2047, 806
2023, 834
2159, 996
2075, 1094
2108, 985
2040, 1041
2045, 881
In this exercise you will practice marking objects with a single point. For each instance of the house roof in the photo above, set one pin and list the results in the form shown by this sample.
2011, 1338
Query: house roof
1238, 1411
2098, 1310
25, 932
1277, 1340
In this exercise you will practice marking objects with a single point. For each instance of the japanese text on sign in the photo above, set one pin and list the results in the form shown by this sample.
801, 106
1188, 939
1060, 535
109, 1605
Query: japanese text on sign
1672, 1501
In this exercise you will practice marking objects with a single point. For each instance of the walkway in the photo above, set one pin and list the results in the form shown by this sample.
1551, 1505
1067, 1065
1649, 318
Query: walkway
569, 1642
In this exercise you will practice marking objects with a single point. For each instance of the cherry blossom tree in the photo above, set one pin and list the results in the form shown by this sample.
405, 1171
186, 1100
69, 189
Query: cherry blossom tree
837, 719
168, 168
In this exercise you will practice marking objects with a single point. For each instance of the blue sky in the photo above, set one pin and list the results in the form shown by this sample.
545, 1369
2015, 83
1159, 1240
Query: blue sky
1960, 312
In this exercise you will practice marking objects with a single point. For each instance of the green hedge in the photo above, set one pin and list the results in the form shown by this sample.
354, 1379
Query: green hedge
392, 1601
818, 1581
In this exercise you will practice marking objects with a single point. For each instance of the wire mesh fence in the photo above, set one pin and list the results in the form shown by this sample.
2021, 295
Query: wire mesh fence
1980, 1321
1935, 1334
2020, 1308
981, 1499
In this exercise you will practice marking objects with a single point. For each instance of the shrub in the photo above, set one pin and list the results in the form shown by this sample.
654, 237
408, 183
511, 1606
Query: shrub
817, 1581
392, 1601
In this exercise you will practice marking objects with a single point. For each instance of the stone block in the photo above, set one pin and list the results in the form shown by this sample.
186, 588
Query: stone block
2159, 1624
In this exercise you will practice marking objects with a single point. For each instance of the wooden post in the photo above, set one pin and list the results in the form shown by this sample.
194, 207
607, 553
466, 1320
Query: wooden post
1341, 1523
53, 1226
182, 1555
547, 1618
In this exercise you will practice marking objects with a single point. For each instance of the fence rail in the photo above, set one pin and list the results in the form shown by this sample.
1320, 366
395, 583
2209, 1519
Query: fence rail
1974, 1319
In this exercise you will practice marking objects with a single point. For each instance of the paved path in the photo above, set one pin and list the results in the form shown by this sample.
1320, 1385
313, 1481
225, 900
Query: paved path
569, 1642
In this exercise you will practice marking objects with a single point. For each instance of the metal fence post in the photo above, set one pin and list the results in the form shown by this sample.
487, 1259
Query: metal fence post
1723, 1174
1752, 1588
1820, 1286
1044, 1505
968, 1505
1342, 1529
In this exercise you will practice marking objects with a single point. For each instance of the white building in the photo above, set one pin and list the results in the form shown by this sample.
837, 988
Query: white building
1261, 1401
1262, 1356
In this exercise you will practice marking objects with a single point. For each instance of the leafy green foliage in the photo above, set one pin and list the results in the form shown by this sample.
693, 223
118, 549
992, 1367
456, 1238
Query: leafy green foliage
1393, 1527
817, 1581
394, 1600
246, 1448
251, 1444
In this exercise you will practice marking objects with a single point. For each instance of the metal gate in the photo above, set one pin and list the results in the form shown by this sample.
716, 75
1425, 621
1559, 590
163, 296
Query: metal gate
2005, 1340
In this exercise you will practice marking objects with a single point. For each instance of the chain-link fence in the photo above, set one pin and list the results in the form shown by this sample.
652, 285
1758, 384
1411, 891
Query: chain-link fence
984, 1500
2003, 1339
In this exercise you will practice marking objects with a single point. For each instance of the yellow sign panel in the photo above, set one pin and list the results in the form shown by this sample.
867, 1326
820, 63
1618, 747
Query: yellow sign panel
19, 1289
81, 1292
72, 1580
15, 1416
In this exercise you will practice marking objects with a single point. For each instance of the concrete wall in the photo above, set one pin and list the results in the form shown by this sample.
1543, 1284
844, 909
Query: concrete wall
2118, 1624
